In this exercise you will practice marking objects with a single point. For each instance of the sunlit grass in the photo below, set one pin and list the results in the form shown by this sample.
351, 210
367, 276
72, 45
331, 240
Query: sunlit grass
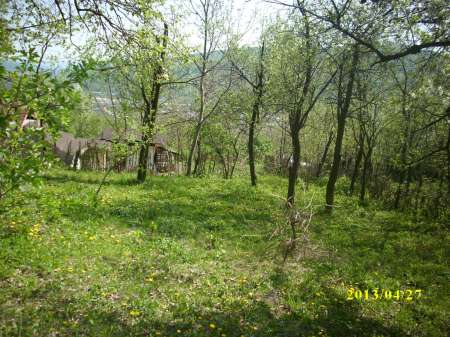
178, 256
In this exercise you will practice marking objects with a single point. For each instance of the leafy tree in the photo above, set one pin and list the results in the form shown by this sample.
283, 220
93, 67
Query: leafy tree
297, 81
24, 151
210, 20
257, 81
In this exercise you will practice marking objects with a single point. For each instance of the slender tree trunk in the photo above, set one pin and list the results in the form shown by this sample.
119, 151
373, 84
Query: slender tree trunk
198, 160
359, 156
281, 154
201, 89
251, 145
145, 140
336, 163
343, 107
324, 154
407, 140
193, 148
366, 163
258, 90
293, 168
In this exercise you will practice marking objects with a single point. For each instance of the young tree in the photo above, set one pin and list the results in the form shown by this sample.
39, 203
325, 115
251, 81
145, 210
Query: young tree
345, 80
257, 83
210, 22
151, 104
297, 82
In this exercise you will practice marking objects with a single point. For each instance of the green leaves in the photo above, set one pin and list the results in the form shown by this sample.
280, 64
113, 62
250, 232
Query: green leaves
34, 108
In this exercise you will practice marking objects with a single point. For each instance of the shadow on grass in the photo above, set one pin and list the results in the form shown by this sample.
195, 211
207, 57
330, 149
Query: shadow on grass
86, 177
255, 319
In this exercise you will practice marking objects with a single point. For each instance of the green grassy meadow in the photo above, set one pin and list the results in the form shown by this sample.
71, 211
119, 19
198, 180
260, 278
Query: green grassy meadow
181, 256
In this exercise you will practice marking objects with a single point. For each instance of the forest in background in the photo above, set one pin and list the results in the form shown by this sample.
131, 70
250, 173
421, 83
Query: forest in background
338, 109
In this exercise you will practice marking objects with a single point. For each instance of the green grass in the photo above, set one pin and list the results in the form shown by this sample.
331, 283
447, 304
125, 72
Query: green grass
178, 256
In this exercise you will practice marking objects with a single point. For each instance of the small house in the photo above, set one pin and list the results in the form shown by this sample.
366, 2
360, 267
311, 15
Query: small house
97, 154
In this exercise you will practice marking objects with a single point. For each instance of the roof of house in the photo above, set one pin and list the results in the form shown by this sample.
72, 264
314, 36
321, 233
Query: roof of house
67, 144
109, 134
106, 134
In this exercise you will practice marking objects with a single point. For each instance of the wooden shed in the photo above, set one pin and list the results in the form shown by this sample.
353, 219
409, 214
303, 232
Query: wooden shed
96, 154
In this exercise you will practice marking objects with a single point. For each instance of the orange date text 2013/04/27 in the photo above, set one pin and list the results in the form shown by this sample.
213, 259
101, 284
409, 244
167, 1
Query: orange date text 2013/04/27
376, 294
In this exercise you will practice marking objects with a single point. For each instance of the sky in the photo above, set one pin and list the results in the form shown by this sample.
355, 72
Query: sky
245, 16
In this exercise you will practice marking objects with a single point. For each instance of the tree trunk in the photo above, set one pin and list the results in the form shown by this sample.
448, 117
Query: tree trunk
336, 163
144, 147
197, 161
281, 163
143, 160
343, 107
258, 91
151, 109
192, 149
359, 156
362, 192
251, 145
201, 90
324, 154
293, 168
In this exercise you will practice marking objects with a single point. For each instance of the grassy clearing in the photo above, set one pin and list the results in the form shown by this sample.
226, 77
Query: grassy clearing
194, 257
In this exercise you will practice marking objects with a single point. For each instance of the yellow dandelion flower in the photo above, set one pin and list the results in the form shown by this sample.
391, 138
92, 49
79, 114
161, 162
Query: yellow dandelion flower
135, 313
212, 326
